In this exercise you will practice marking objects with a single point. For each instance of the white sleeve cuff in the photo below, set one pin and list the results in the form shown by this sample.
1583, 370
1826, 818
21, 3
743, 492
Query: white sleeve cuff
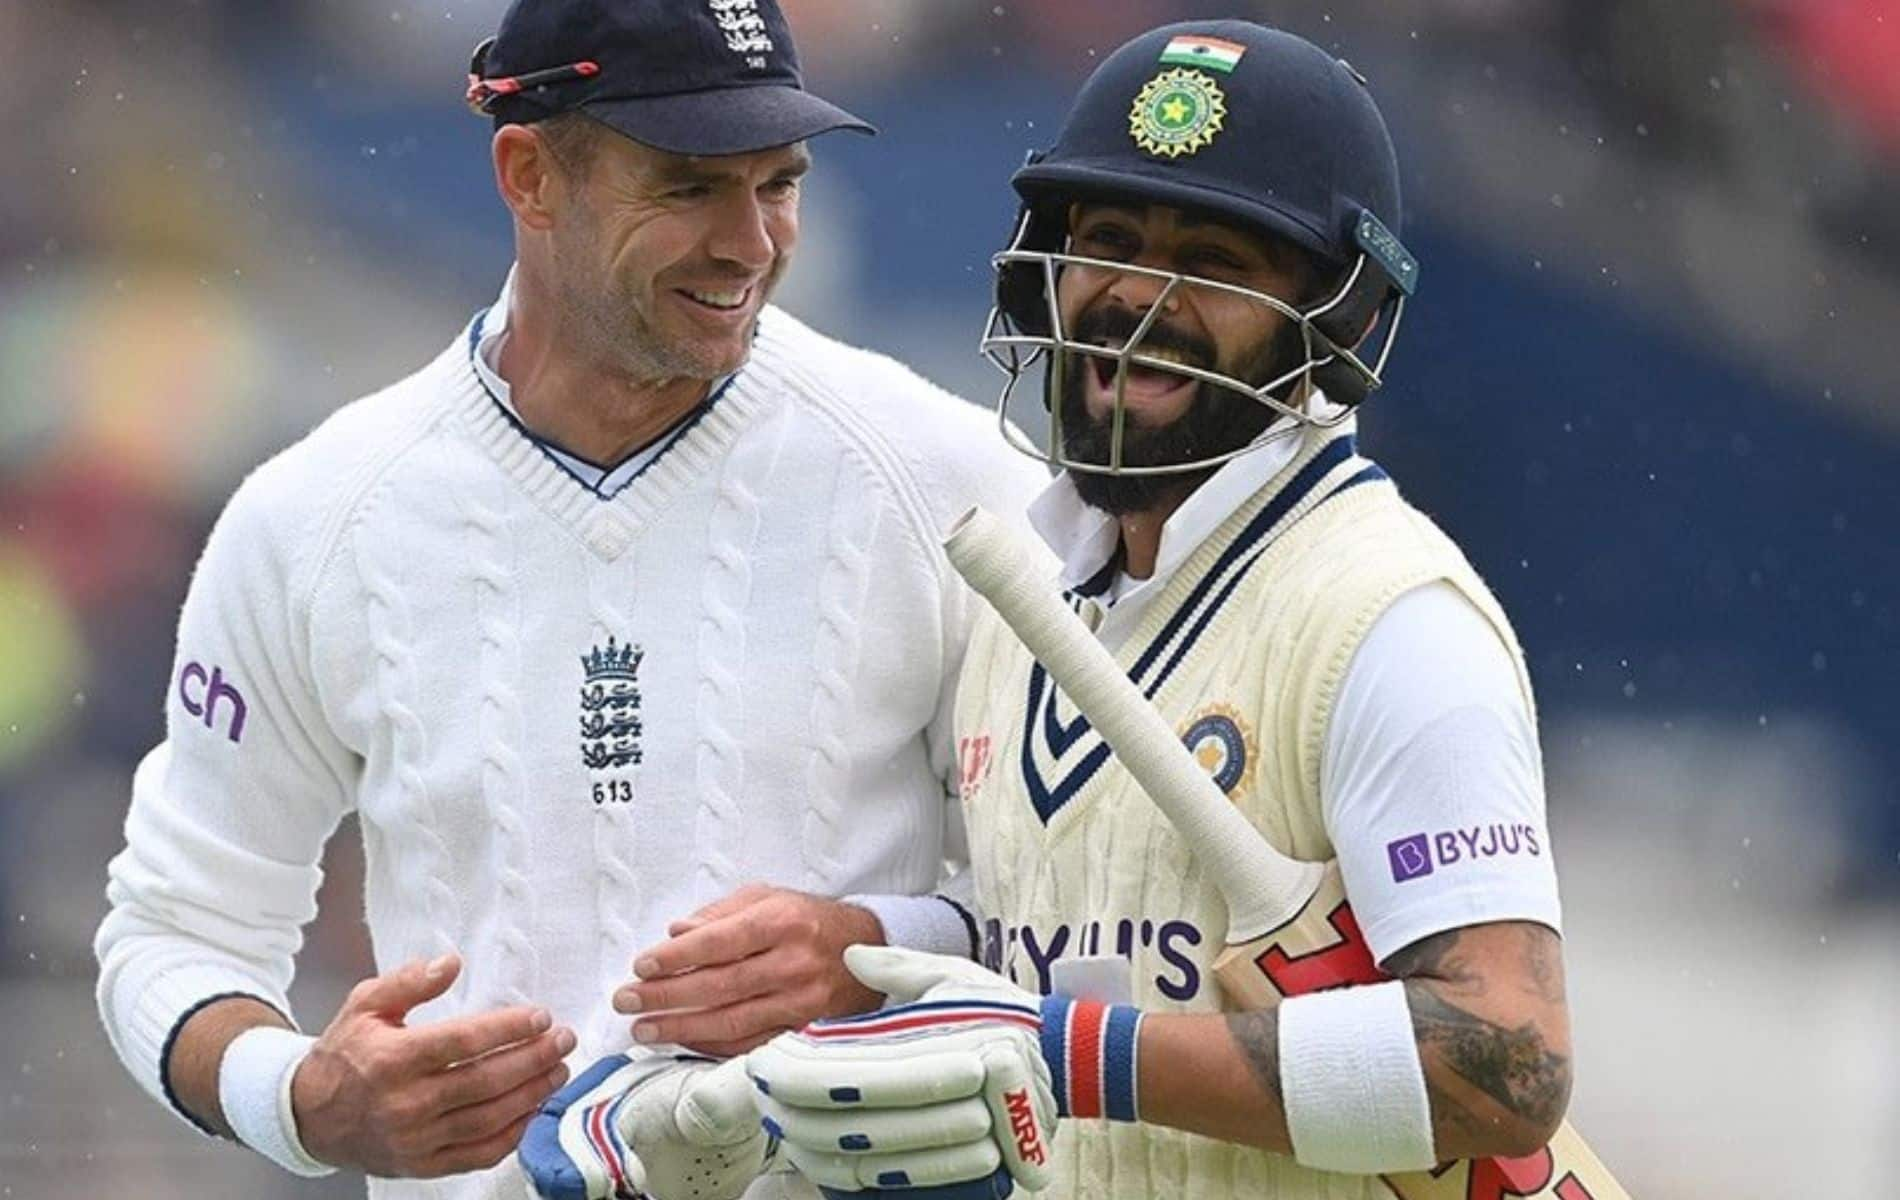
1353, 1083
254, 1081
932, 924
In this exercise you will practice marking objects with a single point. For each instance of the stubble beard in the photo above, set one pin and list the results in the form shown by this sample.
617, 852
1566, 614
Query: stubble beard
606, 319
1217, 420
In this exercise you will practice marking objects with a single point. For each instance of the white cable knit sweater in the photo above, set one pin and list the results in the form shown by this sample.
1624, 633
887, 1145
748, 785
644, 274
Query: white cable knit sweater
562, 720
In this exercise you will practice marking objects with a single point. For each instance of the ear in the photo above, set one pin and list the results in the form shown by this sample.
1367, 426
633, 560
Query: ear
526, 175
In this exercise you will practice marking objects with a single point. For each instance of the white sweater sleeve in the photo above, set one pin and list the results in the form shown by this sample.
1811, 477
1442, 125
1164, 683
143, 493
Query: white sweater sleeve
230, 813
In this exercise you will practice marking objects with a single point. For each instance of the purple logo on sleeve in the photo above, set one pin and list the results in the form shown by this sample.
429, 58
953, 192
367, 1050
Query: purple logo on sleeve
212, 698
1411, 857
1419, 855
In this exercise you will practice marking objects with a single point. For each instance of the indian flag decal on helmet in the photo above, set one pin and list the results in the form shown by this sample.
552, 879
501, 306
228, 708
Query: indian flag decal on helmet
1208, 53
1177, 113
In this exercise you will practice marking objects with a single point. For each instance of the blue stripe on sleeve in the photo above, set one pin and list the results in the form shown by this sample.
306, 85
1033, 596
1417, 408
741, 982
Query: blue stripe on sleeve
1118, 1062
1055, 1047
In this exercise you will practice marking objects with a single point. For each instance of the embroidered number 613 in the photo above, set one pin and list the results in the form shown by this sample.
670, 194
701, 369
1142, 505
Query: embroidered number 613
613, 791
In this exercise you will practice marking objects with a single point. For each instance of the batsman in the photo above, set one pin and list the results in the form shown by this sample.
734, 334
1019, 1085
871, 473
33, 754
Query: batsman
1204, 284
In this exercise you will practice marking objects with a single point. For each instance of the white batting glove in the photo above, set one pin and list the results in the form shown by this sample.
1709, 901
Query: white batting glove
666, 1127
947, 1086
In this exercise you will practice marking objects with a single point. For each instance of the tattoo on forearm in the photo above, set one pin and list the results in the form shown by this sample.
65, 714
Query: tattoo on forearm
1511, 1065
1258, 1036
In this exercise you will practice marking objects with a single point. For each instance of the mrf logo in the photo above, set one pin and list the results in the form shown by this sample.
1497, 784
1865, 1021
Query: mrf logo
211, 698
1419, 855
1023, 1127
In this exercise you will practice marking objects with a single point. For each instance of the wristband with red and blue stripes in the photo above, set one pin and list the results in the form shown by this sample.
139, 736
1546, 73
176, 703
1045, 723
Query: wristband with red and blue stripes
1091, 1051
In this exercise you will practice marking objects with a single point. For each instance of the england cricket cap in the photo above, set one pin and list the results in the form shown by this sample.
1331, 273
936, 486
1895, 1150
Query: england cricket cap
686, 76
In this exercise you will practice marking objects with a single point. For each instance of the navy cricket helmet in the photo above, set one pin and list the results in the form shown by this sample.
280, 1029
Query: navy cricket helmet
1246, 125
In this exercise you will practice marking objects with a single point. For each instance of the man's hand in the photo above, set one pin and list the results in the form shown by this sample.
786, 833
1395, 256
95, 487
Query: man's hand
947, 1086
755, 964
395, 1100
668, 1127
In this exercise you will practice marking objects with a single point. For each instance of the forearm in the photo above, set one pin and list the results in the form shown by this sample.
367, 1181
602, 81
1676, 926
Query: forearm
1215, 1074
198, 1051
1488, 1017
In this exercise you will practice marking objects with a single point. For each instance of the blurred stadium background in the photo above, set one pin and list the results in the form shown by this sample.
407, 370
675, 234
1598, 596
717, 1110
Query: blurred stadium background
1649, 383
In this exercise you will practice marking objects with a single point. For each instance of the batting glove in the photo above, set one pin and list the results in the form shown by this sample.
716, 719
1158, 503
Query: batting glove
666, 1127
947, 1086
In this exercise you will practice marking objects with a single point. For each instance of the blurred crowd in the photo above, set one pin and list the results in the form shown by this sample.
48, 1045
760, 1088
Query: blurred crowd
1650, 384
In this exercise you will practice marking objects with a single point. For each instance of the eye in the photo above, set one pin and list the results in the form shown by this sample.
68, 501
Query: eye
691, 192
783, 187
1106, 241
1219, 261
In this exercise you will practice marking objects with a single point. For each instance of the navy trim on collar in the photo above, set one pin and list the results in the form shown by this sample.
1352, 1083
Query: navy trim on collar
548, 446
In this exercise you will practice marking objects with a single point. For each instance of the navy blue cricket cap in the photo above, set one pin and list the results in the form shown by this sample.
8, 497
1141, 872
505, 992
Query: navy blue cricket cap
686, 76
1233, 119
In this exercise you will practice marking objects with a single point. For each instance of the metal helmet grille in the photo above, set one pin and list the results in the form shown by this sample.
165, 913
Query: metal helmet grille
1017, 351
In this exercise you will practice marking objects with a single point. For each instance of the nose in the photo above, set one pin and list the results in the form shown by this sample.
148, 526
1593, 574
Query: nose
745, 234
1140, 291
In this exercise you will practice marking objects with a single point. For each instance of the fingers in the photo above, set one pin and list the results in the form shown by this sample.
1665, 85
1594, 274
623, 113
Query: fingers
1021, 1112
734, 1049
732, 902
404, 988
721, 940
748, 1023
482, 1079
475, 1122
462, 1039
477, 1155
708, 987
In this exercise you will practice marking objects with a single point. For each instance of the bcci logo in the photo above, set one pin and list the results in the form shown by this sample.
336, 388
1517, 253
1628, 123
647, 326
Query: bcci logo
1221, 742
1177, 113
610, 707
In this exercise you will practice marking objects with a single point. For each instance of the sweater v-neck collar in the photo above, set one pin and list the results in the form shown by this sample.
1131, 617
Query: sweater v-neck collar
691, 450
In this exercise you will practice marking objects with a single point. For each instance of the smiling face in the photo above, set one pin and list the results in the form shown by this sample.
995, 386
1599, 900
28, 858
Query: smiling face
1170, 418
663, 262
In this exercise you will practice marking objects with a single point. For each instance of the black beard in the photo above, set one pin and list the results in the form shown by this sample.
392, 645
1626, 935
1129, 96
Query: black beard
1218, 420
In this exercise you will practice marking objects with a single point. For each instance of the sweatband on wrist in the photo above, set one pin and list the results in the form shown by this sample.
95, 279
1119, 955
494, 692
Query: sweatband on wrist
254, 1080
1091, 1049
933, 924
1353, 1083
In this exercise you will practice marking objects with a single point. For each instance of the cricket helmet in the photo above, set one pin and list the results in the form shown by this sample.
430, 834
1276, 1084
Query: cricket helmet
1246, 125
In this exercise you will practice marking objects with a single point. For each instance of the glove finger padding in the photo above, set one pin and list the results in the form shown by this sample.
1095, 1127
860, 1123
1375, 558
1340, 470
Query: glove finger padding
677, 1165
803, 1074
718, 1107
879, 1131
1020, 1104
918, 1169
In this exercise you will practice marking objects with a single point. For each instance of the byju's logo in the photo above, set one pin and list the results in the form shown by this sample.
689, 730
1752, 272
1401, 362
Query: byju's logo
207, 695
1419, 855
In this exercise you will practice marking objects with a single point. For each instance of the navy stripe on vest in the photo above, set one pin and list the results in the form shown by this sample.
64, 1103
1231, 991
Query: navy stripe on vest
1189, 621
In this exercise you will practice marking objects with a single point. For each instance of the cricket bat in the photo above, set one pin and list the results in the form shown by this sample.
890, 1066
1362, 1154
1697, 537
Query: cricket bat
1290, 928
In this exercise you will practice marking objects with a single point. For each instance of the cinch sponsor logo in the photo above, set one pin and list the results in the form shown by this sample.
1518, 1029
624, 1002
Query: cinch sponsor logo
201, 693
1419, 855
1179, 978
1022, 1123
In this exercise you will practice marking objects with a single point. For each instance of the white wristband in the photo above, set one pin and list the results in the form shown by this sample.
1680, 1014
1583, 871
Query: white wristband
1354, 1087
254, 1087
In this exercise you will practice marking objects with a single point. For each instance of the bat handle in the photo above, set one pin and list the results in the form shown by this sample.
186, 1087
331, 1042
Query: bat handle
997, 1185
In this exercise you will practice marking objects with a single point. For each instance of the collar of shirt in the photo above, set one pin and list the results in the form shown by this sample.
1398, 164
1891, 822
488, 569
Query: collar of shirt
604, 480
1088, 540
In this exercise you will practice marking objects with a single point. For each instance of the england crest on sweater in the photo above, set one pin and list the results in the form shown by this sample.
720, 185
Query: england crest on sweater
610, 706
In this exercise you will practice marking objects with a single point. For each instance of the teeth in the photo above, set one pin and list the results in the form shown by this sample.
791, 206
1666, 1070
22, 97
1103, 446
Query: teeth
720, 299
1161, 355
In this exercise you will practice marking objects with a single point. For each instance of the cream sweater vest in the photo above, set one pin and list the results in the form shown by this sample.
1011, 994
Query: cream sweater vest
1244, 653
